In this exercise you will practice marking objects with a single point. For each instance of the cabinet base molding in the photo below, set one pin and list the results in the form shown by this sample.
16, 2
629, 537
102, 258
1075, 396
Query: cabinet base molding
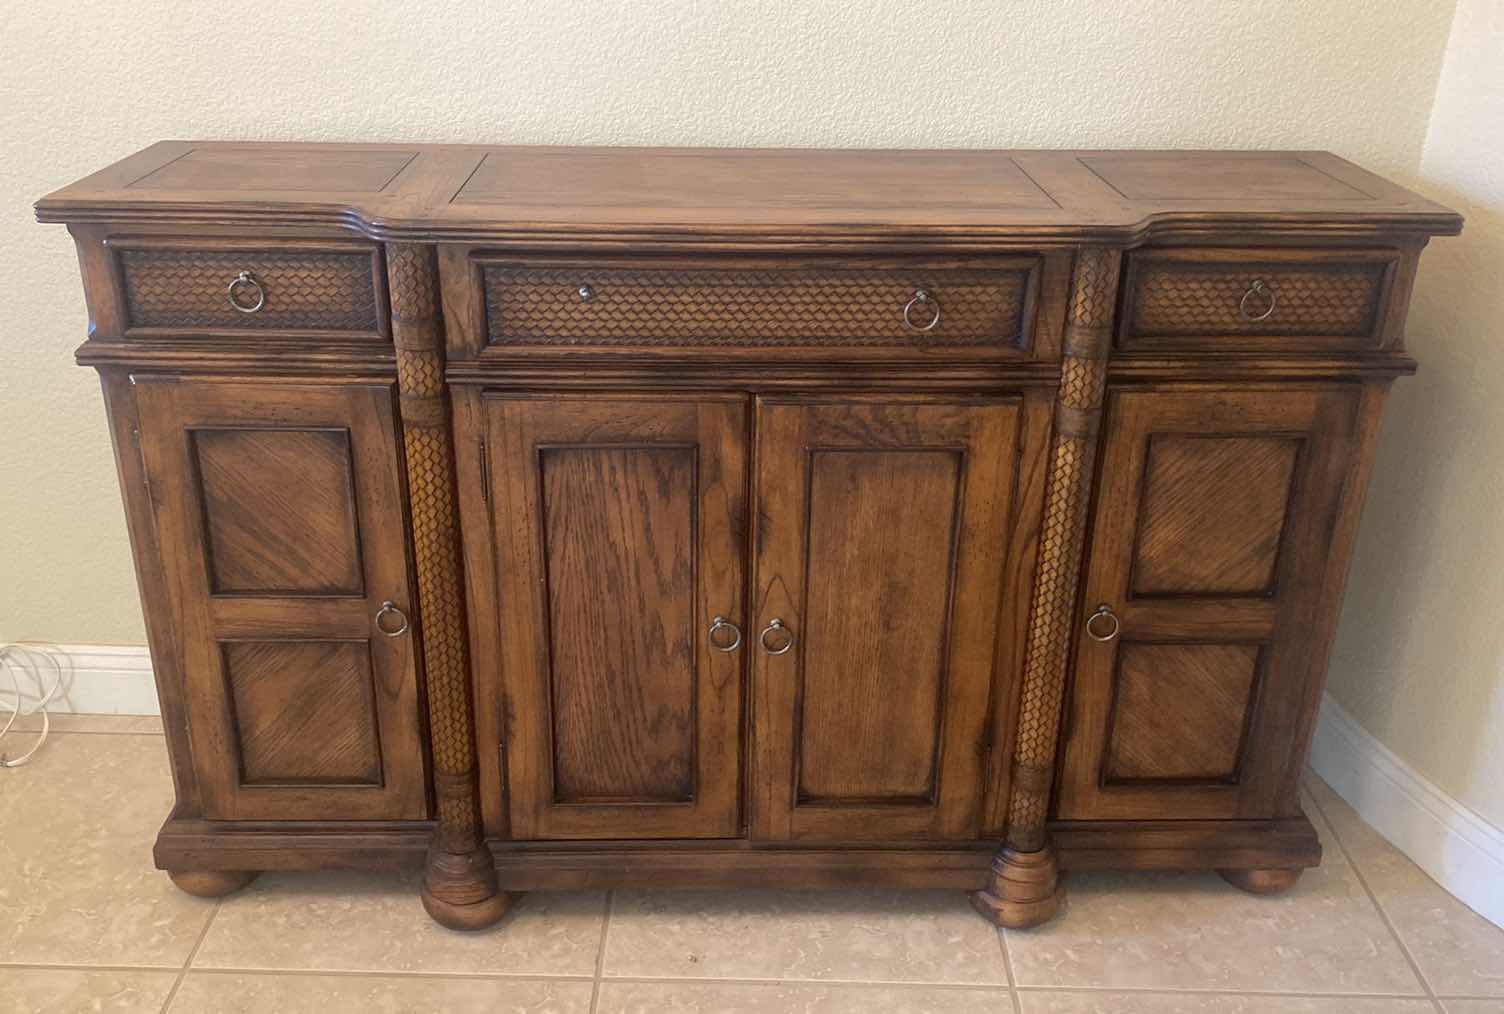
1022, 891
1263, 846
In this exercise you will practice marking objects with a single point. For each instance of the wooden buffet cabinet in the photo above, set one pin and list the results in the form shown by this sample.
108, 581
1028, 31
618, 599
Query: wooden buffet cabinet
572, 517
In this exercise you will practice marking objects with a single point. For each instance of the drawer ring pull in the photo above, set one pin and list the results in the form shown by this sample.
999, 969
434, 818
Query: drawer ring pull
921, 297
776, 627
1103, 613
389, 608
721, 623
1258, 288
247, 281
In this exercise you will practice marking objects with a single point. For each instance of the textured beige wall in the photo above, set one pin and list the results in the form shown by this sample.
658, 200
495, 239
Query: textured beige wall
84, 83
1419, 660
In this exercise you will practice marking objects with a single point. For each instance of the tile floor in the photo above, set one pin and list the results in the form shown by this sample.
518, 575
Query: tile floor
87, 925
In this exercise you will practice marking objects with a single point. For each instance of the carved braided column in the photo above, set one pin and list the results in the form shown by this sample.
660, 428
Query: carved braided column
459, 876
1024, 888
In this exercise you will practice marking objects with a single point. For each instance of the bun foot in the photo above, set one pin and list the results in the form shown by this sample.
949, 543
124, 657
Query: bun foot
1261, 881
459, 890
1024, 890
211, 883
475, 916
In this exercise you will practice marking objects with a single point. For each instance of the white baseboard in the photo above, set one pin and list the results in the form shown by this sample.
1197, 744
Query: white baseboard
1458, 848
97, 679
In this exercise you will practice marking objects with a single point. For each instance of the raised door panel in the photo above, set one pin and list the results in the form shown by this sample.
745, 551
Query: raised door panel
618, 533
882, 531
1210, 547
279, 514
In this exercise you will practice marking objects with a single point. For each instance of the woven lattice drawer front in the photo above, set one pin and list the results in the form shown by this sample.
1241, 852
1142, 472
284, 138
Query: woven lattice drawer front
855, 307
332, 292
1260, 295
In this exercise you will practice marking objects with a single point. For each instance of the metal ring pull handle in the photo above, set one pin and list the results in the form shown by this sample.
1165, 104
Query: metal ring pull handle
721, 623
1103, 613
922, 297
1257, 288
776, 627
389, 608
246, 282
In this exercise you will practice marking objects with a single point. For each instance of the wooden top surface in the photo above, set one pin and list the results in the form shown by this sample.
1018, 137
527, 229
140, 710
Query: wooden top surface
398, 191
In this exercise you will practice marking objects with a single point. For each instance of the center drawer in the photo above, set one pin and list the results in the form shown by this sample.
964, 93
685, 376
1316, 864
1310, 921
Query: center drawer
984, 305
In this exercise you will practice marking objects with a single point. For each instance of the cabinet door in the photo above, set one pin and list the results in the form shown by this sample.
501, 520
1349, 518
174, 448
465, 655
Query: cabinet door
279, 515
618, 529
1210, 546
882, 529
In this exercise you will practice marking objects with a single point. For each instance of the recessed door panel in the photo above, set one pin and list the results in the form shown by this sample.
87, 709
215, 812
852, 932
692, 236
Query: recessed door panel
619, 532
870, 586
278, 511
1207, 555
882, 529
617, 526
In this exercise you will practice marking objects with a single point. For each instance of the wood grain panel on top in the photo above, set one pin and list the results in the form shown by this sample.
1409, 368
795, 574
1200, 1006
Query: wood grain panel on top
1180, 711
470, 192
707, 178
279, 511
619, 538
283, 167
1213, 514
304, 712
882, 534
1218, 176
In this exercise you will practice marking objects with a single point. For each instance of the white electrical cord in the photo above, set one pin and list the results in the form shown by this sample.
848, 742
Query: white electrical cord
33, 659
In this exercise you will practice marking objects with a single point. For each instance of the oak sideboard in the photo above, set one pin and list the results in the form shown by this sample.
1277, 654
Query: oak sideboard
558, 518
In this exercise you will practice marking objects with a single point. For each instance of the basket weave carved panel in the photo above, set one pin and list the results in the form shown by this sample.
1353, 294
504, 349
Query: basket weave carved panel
661, 307
1187, 300
304, 291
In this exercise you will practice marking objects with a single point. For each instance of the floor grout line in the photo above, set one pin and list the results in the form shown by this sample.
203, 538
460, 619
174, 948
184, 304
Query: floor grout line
1269, 993
69, 966
1002, 939
600, 951
388, 973
188, 961
89, 732
1373, 898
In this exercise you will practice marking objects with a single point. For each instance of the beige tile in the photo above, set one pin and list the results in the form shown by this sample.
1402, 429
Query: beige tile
1458, 951
122, 724
1474, 1006
1194, 931
374, 923
78, 885
65, 990
239, 993
874, 936
804, 998
1203, 1003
